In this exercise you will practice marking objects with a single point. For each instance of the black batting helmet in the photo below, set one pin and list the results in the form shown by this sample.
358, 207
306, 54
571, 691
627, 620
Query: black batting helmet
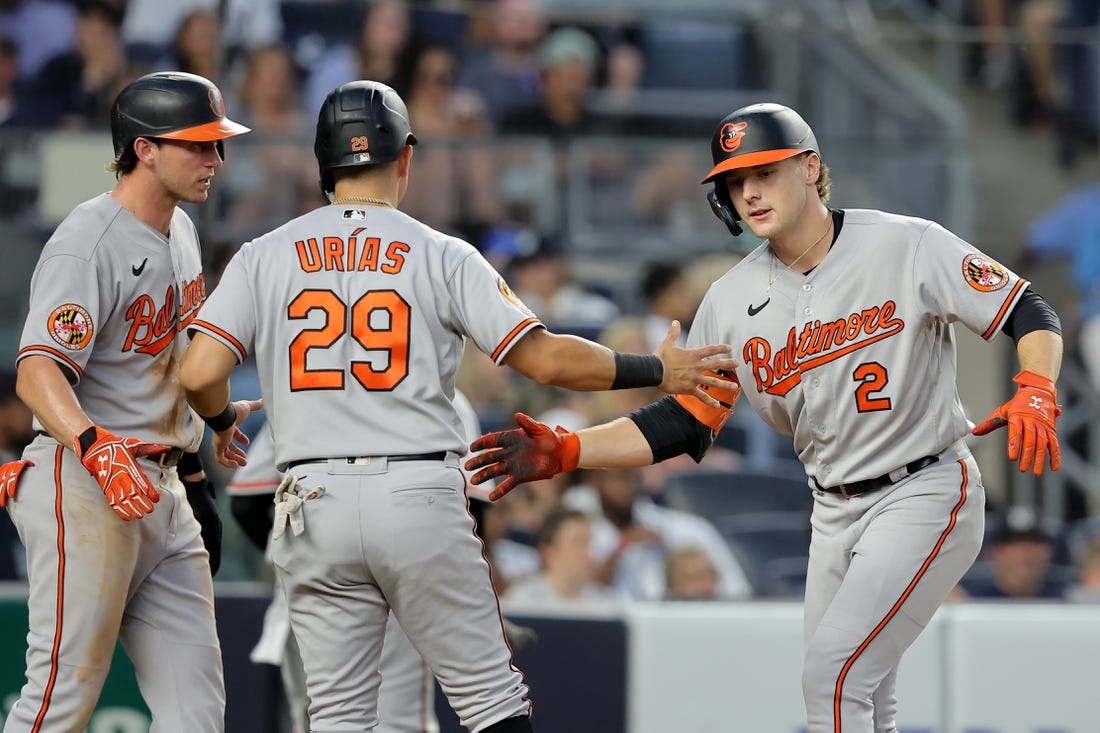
170, 104
754, 135
360, 123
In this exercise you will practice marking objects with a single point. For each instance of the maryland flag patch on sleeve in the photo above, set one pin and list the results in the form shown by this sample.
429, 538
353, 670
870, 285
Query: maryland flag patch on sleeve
71, 326
510, 296
984, 274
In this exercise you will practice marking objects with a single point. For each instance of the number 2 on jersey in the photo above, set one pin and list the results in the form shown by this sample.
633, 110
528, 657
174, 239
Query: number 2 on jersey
393, 339
873, 378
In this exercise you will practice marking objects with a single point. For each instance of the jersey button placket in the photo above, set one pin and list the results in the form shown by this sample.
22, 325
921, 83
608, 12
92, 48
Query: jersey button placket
816, 406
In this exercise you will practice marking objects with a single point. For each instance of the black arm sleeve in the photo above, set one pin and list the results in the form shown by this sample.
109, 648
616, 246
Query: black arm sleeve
672, 430
1032, 313
255, 514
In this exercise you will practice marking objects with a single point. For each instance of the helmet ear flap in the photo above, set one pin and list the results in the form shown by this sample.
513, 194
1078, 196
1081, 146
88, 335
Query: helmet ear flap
719, 200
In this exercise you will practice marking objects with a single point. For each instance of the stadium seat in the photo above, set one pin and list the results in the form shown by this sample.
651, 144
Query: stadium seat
72, 171
1076, 537
716, 494
773, 547
332, 22
673, 49
441, 26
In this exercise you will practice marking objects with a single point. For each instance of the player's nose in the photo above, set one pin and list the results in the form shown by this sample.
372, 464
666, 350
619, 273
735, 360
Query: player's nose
750, 191
213, 156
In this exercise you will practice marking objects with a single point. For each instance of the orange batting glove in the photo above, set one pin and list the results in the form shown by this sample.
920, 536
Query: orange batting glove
1030, 416
531, 452
110, 460
9, 479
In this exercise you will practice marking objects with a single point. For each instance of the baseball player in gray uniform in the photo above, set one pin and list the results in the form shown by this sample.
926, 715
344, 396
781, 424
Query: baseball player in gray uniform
844, 321
114, 549
358, 316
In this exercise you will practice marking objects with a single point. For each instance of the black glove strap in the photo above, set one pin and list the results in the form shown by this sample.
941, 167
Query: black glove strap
87, 439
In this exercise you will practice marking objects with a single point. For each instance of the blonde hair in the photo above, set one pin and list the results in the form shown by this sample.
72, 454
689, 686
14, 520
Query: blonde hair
824, 183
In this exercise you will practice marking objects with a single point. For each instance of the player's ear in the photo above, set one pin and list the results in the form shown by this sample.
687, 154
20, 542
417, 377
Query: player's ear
811, 164
403, 161
143, 148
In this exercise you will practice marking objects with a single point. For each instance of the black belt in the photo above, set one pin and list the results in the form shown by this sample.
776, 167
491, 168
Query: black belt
855, 488
437, 456
168, 459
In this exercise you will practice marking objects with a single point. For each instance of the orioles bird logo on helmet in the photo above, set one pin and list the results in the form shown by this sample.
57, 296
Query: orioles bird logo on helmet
731, 135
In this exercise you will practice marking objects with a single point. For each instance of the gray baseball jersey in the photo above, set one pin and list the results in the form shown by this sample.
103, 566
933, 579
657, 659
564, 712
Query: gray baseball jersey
358, 317
109, 298
361, 315
857, 361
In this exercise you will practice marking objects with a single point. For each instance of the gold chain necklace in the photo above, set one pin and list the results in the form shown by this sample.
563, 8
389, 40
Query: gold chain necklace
772, 276
362, 199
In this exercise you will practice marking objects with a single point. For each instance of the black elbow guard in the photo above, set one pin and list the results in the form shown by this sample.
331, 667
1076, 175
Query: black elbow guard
671, 430
1032, 313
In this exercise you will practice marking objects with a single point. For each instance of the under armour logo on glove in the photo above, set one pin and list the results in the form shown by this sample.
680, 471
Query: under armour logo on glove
111, 460
1030, 417
9, 479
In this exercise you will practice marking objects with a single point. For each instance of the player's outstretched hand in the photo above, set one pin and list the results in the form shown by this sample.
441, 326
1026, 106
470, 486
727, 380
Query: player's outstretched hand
228, 445
530, 453
689, 371
111, 461
9, 479
1030, 416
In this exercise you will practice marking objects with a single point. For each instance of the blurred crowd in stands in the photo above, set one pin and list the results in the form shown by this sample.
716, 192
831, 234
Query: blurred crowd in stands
1044, 55
474, 74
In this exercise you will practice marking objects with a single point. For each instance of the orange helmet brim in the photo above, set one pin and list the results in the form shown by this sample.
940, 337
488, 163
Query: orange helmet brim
216, 130
748, 160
